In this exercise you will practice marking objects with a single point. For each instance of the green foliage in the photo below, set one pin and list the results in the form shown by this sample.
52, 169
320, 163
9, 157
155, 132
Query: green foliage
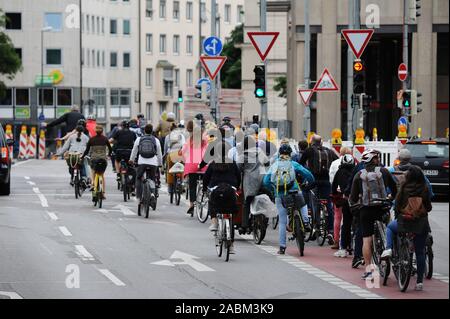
230, 75
281, 86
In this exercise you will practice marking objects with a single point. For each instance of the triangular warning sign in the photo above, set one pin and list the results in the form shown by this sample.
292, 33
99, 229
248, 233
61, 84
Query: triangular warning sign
213, 64
357, 40
326, 82
263, 42
305, 95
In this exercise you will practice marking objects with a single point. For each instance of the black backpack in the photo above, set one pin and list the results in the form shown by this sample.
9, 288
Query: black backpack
223, 199
147, 146
320, 162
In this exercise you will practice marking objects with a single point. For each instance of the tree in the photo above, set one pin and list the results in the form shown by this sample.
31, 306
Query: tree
10, 62
281, 86
230, 74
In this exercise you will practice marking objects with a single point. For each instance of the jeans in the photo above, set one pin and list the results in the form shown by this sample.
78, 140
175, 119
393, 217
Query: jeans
419, 247
283, 219
323, 191
358, 241
192, 179
346, 230
139, 177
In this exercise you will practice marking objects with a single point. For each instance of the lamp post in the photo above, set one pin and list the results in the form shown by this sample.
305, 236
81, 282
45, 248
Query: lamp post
46, 29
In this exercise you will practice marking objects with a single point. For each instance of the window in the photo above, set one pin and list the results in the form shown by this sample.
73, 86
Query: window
149, 42
168, 82
103, 25
113, 26
162, 107
176, 10
98, 58
22, 97
19, 53
53, 20
126, 60
149, 9
113, 60
240, 14
177, 77
189, 11
13, 21
46, 98
64, 97
149, 106
176, 44
103, 59
7, 99
126, 27
227, 13
162, 43
87, 22
98, 107
162, 9
189, 77
88, 57
149, 77
93, 24
93, 58
98, 24
82, 22
203, 11
53, 57
120, 103
189, 44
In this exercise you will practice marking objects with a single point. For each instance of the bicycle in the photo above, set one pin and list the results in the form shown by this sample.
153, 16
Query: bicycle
177, 186
322, 222
379, 244
259, 227
75, 168
97, 193
201, 202
126, 180
306, 189
149, 194
224, 235
296, 224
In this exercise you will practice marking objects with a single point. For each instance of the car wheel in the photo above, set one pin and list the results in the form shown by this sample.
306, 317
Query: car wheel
5, 189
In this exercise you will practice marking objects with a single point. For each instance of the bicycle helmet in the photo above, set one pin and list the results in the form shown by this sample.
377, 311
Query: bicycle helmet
285, 149
91, 117
140, 116
125, 124
369, 155
347, 159
81, 122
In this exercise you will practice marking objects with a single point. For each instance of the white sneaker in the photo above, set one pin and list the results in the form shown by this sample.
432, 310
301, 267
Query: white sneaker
419, 286
341, 253
386, 254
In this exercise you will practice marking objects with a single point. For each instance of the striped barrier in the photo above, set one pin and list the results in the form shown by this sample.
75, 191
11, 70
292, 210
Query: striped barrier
42, 145
32, 145
23, 143
9, 136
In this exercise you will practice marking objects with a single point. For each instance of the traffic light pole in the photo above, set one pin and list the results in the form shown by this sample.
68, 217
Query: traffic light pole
213, 83
263, 101
307, 70
405, 42
350, 76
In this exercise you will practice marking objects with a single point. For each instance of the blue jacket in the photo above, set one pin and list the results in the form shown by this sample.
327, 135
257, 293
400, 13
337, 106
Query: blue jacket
305, 174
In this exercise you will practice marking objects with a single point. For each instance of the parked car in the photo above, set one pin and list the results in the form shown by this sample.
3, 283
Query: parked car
5, 163
432, 156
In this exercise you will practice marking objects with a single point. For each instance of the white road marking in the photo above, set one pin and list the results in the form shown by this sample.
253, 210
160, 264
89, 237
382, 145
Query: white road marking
27, 177
10, 294
52, 216
440, 277
46, 249
82, 252
125, 210
31, 183
65, 231
110, 276
42, 198
187, 260
22, 162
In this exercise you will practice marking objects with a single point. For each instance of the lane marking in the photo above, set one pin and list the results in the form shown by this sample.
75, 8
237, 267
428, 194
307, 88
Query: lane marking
20, 163
11, 294
52, 216
65, 231
46, 249
111, 277
44, 202
31, 183
26, 177
83, 253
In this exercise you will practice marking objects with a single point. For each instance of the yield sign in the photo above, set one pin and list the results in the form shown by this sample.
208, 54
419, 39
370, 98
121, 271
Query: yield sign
305, 95
263, 42
357, 40
326, 82
213, 64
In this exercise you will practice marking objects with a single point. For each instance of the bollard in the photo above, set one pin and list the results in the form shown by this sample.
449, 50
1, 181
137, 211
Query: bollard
23, 146
419, 132
9, 136
375, 134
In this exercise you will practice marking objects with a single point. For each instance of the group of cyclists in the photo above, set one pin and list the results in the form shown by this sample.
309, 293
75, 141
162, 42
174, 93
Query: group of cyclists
227, 158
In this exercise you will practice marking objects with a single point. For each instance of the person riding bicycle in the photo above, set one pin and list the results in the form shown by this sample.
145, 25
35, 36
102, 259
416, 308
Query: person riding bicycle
282, 178
172, 145
412, 205
98, 149
148, 151
369, 191
76, 144
123, 141
221, 171
164, 125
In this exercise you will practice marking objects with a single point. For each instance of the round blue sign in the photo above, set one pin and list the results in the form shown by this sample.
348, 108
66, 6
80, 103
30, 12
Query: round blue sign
212, 46
403, 121
41, 117
208, 83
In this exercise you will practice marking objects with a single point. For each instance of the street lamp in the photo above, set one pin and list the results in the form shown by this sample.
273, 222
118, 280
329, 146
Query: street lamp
45, 29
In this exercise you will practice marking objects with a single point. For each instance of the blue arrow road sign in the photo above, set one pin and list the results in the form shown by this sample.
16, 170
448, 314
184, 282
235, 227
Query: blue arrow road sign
208, 84
403, 121
212, 46
41, 117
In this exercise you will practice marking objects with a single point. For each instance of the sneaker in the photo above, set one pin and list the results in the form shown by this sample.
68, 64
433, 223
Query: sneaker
367, 276
341, 253
118, 177
419, 286
282, 251
357, 261
330, 239
387, 253
190, 211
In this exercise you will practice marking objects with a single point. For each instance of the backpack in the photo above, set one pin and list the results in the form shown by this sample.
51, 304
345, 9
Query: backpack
373, 189
414, 209
147, 146
223, 199
283, 175
320, 162
399, 177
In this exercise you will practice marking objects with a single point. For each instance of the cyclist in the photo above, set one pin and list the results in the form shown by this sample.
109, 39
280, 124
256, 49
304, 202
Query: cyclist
281, 177
148, 150
123, 141
71, 119
369, 189
141, 120
163, 128
135, 128
227, 122
81, 122
99, 148
302, 146
76, 144
413, 199
172, 145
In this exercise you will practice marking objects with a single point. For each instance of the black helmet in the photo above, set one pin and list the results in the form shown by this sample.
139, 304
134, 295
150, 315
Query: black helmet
140, 116
81, 122
285, 149
125, 124
226, 119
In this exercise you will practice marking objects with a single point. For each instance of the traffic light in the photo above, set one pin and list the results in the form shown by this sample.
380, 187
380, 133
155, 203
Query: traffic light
364, 101
415, 102
202, 94
414, 6
406, 101
260, 81
255, 119
359, 74
180, 96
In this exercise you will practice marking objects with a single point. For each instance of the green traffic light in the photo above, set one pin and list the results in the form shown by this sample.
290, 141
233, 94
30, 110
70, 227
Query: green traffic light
259, 92
180, 99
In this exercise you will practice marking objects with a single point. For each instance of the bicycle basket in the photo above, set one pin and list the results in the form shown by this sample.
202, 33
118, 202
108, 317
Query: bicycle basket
177, 168
293, 201
73, 159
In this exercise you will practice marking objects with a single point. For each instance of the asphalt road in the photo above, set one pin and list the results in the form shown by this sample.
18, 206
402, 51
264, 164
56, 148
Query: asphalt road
55, 246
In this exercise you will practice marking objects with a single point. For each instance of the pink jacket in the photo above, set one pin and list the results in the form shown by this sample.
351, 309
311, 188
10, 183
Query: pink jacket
193, 156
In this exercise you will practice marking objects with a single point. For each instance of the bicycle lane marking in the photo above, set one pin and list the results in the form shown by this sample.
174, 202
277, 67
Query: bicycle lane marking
42, 198
316, 272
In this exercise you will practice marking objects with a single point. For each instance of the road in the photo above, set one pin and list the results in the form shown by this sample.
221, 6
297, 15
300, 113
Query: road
55, 246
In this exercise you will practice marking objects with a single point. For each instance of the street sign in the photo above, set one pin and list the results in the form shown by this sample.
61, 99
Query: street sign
41, 117
357, 40
212, 64
403, 121
43, 80
326, 82
208, 84
212, 46
263, 42
305, 95
402, 72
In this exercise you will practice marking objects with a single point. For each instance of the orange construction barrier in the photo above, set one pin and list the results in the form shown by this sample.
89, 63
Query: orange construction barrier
42, 145
23, 143
9, 136
32, 145
359, 146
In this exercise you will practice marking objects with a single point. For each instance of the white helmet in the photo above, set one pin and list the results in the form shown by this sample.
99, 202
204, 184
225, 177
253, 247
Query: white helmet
368, 155
347, 159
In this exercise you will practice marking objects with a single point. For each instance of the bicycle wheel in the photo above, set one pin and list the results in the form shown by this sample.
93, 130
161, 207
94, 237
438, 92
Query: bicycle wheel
298, 232
77, 186
429, 262
275, 222
124, 187
259, 228
228, 242
218, 239
379, 245
201, 209
309, 235
178, 190
322, 228
404, 265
